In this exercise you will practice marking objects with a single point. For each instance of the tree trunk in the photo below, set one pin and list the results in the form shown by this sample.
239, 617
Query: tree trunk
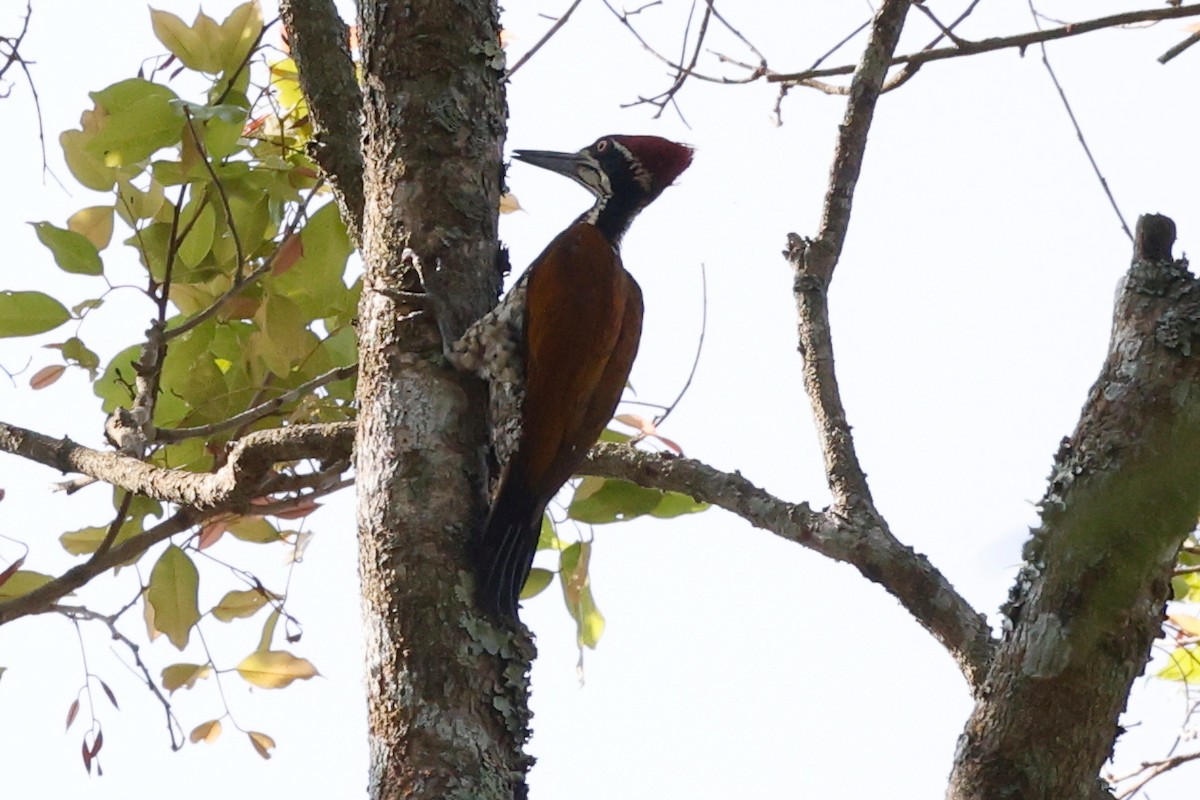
1123, 495
446, 692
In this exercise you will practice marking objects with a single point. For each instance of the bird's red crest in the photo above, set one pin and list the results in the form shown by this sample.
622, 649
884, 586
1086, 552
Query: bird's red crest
663, 159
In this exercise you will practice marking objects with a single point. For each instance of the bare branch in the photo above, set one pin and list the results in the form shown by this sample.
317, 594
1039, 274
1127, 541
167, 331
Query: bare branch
1004, 42
908, 576
1087, 151
558, 23
320, 44
43, 598
250, 462
174, 730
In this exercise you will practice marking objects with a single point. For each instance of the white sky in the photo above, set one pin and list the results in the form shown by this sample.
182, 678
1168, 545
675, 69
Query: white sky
971, 313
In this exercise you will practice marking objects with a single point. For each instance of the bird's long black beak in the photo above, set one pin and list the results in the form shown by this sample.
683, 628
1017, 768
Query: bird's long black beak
562, 163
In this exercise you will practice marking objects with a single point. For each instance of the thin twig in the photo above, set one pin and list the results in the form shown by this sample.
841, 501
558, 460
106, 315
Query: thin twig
1179, 48
43, 598
254, 275
110, 621
115, 528
540, 42
1155, 768
1079, 132
259, 411
1004, 42
212, 173
699, 348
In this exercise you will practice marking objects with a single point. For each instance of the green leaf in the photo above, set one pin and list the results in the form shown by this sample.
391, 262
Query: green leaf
1186, 587
675, 504
283, 339
239, 604
315, 282
135, 204
275, 669
76, 352
238, 34
548, 536
536, 583
253, 529
609, 435
184, 676
612, 502
577, 593
598, 501
198, 242
83, 541
140, 120
268, 631
174, 583
21, 582
188, 43
72, 251
29, 313
114, 386
86, 167
81, 308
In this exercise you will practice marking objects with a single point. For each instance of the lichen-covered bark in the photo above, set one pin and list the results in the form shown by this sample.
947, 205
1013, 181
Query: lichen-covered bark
446, 691
1124, 493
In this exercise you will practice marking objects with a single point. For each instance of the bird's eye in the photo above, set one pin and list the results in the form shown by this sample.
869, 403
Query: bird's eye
601, 145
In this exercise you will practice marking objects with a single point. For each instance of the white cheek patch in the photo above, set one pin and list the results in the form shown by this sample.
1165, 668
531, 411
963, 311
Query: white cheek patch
596, 180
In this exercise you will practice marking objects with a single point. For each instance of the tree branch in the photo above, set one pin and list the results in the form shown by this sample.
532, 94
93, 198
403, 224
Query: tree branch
907, 576
320, 45
44, 598
230, 488
1123, 496
966, 48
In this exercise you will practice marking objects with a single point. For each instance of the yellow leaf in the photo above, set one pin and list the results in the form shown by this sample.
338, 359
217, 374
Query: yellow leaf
239, 604
46, 376
268, 632
275, 669
537, 581
262, 743
238, 32
87, 168
206, 732
134, 204
94, 223
186, 44
148, 616
183, 676
172, 591
253, 529
82, 541
21, 582
509, 203
1186, 623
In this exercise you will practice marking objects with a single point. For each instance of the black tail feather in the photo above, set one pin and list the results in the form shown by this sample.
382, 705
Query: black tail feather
504, 552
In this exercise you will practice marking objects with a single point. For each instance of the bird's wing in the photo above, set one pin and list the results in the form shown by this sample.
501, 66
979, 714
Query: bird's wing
584, 319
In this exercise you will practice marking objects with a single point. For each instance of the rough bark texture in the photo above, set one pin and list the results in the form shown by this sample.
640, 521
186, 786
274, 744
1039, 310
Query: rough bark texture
320, 44
446, 691
1124, 493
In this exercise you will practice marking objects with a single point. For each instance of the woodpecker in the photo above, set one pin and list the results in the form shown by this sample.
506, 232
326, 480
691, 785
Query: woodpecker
558, 348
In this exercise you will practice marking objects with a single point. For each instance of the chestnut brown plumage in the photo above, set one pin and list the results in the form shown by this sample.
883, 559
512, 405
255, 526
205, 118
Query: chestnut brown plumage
576, 319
